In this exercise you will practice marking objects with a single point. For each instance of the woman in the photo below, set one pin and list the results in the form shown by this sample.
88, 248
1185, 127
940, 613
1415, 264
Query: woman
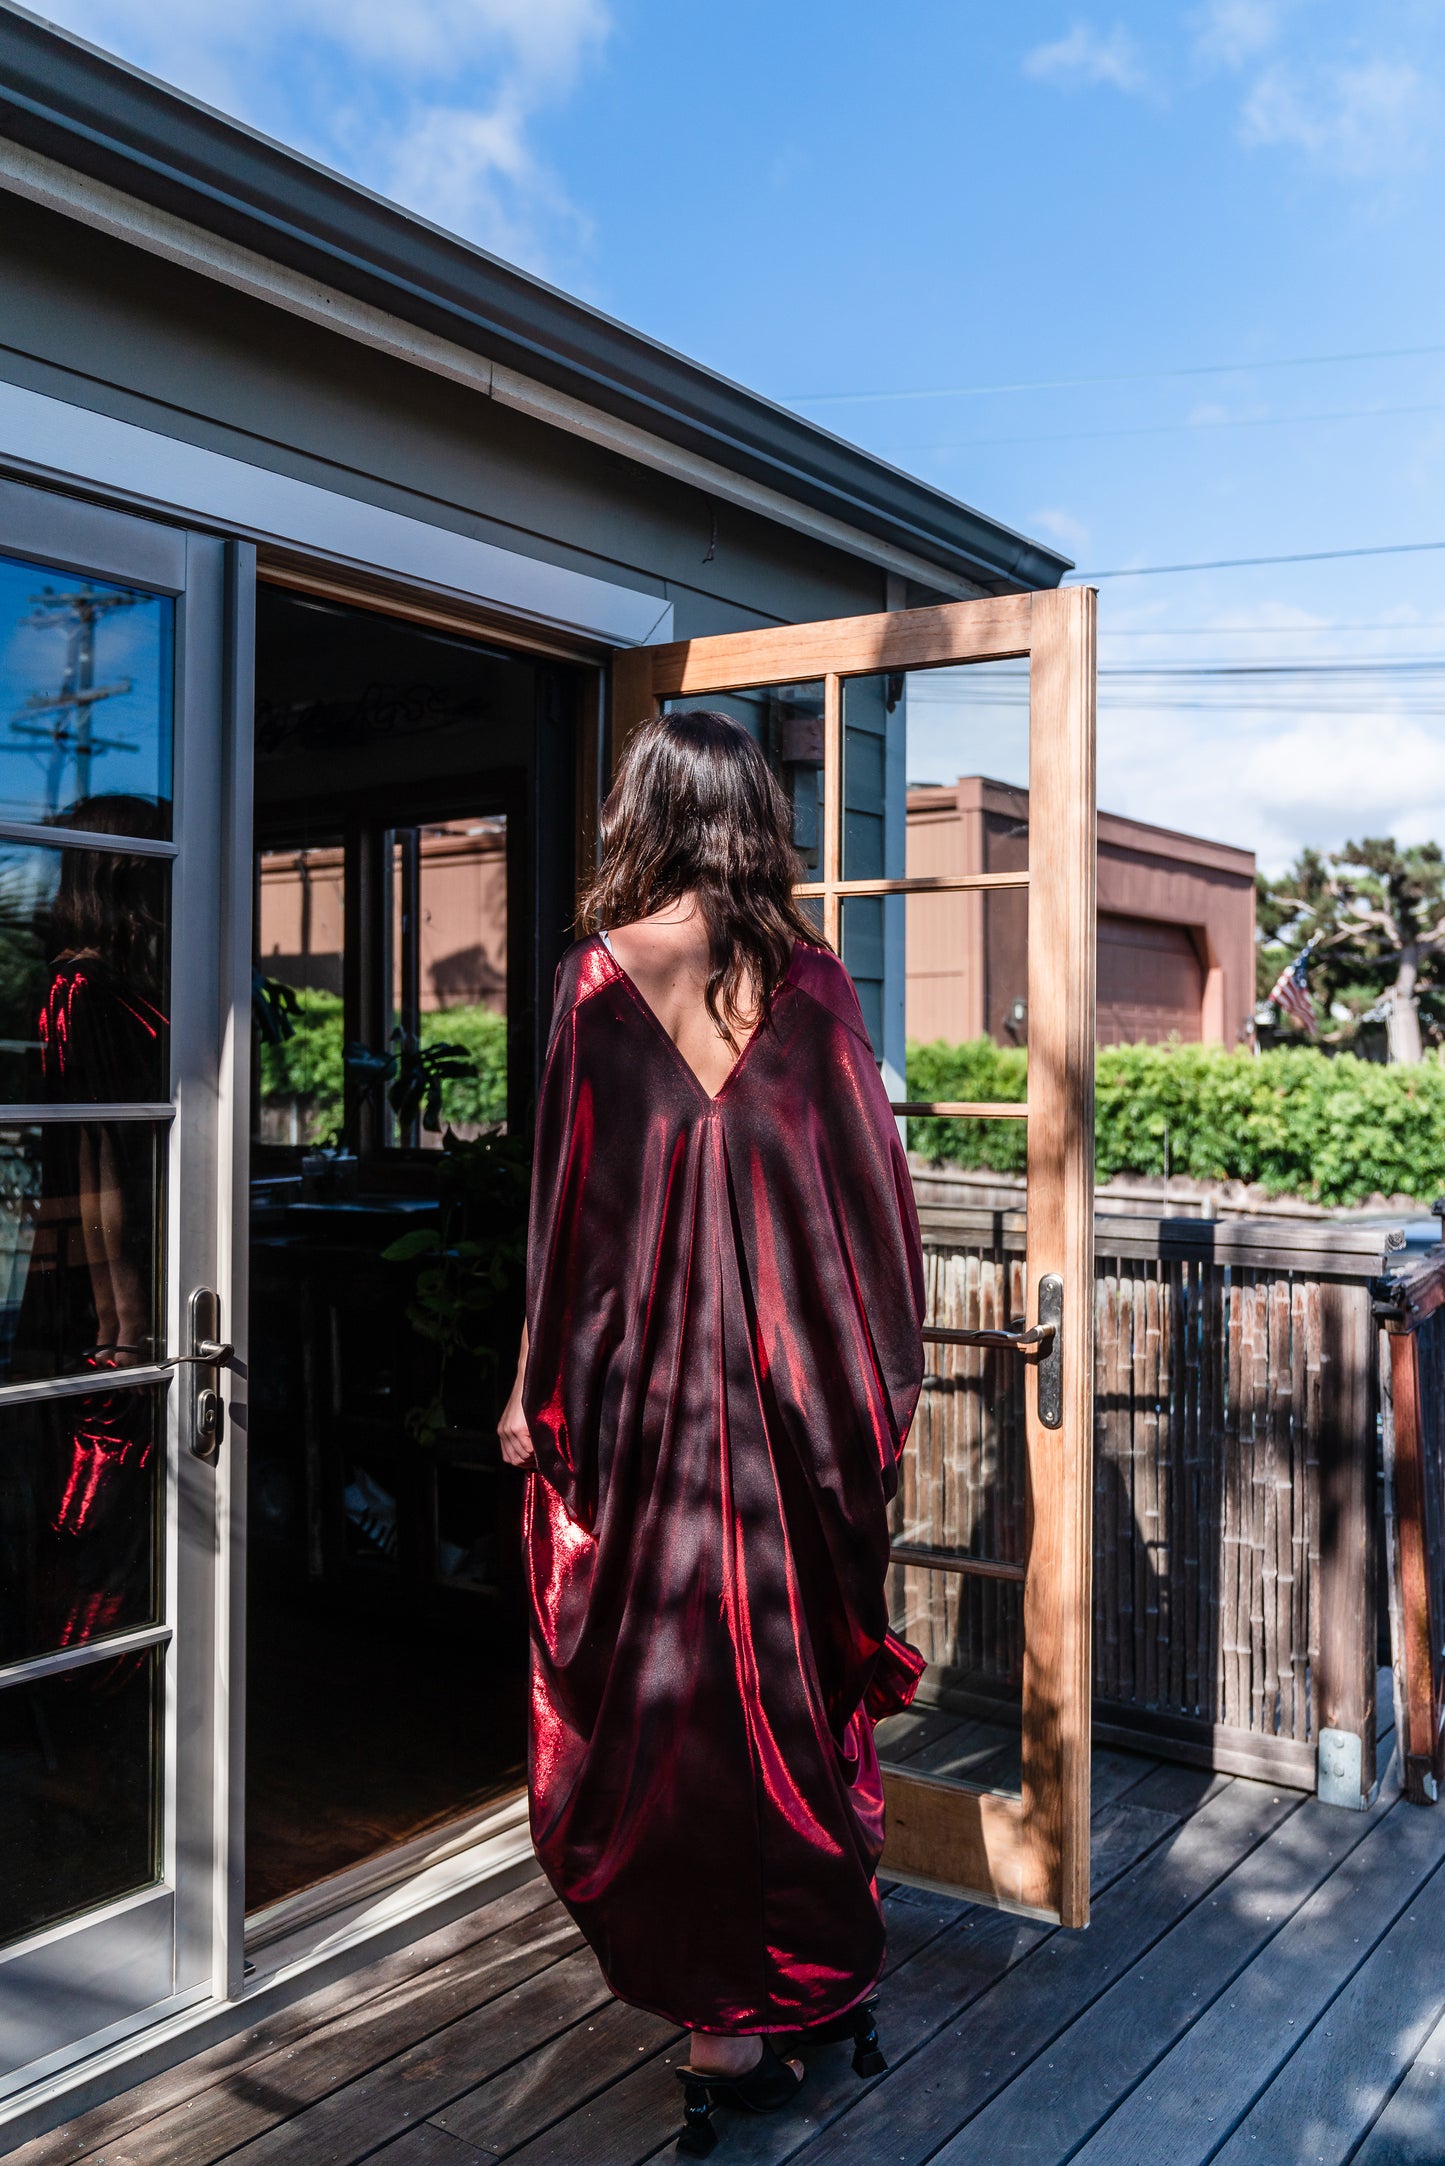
722, 1359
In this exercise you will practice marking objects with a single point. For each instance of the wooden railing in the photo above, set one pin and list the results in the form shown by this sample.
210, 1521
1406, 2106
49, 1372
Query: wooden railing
1412, 1369
1235, 1513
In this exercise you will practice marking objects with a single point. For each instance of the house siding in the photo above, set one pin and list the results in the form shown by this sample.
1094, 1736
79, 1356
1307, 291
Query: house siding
110, 327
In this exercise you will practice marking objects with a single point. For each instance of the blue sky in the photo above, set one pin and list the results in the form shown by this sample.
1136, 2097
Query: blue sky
883, 214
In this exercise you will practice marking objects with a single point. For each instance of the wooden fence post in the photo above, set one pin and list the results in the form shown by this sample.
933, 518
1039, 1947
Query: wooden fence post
1344, 1698
1412, 1607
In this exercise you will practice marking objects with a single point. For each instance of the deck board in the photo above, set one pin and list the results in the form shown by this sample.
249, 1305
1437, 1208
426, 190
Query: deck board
1052, 2107
1341, 2075
1407, 2132
899, 1737
1200, 2090
1121, 1834
1261, 1981
1115, 1774
563, 2075
951, 2077
185, 2098
354, 2117
429, 2146
267, 2093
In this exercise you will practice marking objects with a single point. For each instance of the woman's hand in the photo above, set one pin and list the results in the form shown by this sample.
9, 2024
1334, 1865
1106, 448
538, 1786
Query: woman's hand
512, 1430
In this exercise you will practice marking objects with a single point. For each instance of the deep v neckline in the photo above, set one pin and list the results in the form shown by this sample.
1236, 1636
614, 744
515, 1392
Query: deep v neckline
711, 1097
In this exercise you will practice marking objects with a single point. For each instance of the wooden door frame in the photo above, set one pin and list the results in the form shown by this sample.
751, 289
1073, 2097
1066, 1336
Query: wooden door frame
1029, 1853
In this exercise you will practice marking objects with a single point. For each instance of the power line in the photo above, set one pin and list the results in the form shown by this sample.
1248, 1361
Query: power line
1134, 376
1167, 428
1271, 631
1410, 666
1233, 564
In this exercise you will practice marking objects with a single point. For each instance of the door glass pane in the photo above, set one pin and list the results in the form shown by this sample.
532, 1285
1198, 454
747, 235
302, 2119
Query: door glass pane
787, 721
943, 983
85, 701
81, 1212
84, 991
963, 1491
936, 770
80, 1498
938, 977
297, 1006
79, 1791
966, 1724
965, 1487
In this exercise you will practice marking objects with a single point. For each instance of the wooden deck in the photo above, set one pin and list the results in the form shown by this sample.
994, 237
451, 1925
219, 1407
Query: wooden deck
1264, 1981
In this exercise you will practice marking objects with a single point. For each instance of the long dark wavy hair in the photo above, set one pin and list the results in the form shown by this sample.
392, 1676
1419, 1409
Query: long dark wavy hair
695, 809
113, 907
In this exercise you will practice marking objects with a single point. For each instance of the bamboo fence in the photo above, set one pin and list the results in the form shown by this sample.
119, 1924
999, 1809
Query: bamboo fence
1233, 1492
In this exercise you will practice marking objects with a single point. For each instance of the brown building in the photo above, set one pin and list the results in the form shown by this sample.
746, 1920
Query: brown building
454, 873
1176, 925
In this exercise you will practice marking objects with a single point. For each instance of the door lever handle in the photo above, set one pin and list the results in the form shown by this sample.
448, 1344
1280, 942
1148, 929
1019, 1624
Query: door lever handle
209, 1354
1035, 1342
1043, 1343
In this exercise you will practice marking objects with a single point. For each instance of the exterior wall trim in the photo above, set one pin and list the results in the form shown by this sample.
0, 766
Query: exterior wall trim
48, 439
94, 203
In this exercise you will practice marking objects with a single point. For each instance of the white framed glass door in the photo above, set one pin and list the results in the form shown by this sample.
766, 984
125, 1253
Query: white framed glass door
118, 1075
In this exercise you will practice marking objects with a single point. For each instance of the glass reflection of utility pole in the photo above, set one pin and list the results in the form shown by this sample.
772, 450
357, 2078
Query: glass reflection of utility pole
63, 722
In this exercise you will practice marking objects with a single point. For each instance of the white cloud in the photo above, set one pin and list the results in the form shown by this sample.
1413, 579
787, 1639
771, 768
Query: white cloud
475, 172
1234, 31
1086, 55
541, 40
1359, 119
1273, 783
432, 101
1063, 526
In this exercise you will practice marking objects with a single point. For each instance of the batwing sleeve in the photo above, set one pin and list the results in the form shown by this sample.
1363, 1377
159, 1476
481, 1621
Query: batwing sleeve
865, 1193
876, 1203
562, 1157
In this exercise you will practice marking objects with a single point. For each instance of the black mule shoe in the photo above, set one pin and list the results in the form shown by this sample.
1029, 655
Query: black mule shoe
768, 2085
861, 2025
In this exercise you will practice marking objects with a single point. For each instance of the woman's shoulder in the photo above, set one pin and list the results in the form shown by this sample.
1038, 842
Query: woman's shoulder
818, 973
585, 968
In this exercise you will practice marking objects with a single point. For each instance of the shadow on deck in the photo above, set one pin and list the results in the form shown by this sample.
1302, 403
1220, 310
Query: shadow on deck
1263, 1981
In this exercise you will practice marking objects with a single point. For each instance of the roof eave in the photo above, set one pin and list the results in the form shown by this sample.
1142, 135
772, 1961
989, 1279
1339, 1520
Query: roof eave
69, 101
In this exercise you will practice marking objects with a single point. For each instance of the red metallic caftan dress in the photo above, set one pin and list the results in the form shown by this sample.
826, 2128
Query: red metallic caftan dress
724, 1298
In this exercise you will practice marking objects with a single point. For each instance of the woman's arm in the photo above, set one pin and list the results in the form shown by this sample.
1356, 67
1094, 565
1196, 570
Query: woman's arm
512, 1429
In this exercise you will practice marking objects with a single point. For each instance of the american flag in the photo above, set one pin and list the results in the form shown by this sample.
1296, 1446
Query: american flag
1292, 991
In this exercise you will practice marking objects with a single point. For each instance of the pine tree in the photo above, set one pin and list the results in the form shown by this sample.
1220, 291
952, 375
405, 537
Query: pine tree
1376, 913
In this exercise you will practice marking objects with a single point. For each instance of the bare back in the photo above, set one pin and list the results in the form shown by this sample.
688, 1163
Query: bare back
666, 957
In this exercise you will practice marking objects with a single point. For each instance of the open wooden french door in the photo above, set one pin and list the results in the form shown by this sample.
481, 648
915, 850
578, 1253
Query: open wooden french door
992, 1550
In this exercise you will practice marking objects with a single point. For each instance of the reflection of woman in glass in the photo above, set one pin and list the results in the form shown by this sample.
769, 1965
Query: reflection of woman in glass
103, 1037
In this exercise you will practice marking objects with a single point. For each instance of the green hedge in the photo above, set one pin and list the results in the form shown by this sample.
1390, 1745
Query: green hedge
1294, 1120
482, 1098
1299, 1123
308, 1066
